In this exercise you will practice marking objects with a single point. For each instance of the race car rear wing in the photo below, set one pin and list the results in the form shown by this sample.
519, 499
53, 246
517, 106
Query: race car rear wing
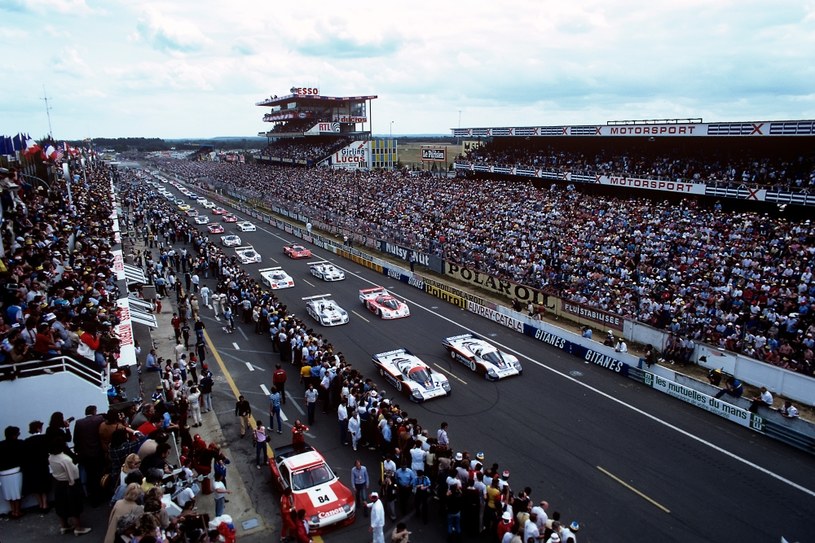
244, 248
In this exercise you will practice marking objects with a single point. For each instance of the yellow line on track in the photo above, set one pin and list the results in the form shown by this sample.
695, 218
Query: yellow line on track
634, 490
236, 392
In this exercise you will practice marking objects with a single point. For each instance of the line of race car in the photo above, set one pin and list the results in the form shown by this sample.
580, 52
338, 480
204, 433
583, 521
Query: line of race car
315, 487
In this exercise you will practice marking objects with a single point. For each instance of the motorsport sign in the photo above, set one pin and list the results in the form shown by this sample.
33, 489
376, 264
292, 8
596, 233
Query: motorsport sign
434, 154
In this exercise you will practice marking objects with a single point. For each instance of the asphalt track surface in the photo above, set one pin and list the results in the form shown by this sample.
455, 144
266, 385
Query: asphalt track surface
630, 464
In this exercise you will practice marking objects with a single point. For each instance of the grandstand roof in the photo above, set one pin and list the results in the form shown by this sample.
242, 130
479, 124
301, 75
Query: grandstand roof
660, 128
311, 99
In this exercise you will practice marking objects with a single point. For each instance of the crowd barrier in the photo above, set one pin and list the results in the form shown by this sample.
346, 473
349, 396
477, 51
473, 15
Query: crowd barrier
797, 433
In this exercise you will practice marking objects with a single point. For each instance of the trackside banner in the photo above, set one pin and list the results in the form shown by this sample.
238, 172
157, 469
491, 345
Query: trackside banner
513, 291
698, 399
592, 356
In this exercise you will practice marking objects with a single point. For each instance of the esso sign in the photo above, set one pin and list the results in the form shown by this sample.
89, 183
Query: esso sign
306, 91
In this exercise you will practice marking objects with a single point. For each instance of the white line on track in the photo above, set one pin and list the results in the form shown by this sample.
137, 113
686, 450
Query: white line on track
240, 329
451, 374
264, 389
250, 366
609, 397
360, 316
295, 404
283, 416
306, 281
235, 345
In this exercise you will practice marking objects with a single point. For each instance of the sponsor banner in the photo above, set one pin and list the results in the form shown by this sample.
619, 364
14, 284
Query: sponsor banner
350, 118
359, 260
701, 400
354, 156
287, 228
324, 128
305, 91
652, 184
118, 265
746, 193
502, 287
434, 154
598, 316
603, 360
493, 315
308, 238
445, 296
404, 253
124, 331
453, 290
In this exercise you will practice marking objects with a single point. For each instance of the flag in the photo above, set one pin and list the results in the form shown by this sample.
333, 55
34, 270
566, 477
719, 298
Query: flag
49, 152
6, 146
31, 147
18, 143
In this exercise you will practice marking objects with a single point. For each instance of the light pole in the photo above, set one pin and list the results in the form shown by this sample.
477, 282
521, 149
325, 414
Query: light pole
390, 135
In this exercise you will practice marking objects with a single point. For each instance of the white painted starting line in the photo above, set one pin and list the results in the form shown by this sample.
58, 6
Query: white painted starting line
451, 374
250, 366
283, 416
360, 316
236, 346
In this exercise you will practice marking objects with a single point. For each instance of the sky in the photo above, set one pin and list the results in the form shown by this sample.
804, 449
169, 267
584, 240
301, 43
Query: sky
182, 69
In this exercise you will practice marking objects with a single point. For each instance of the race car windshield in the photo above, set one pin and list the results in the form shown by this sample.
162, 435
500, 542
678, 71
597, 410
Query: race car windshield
390, 303
420, 375
309, 477
495, 358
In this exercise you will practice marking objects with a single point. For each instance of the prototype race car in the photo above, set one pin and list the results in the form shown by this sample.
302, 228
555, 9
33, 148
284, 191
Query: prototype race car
230, 240
296, 251
208, 205
215, 228
314, 486
482, 357
378, 300
201, 219
219, 211
325, 310
192, 212
247, 254
326, 271
408, 373
276, 278
229, 218
246, 226
184, 207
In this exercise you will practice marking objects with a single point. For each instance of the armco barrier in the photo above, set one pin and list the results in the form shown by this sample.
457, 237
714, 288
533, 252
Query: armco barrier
797, 433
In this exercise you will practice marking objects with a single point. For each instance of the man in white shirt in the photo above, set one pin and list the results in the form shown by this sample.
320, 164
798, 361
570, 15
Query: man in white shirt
417, 457
342, 418
377, 518
531, 529
540, 512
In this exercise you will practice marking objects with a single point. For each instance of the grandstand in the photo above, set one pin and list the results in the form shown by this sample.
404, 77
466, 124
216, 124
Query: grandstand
760, 161
311, 129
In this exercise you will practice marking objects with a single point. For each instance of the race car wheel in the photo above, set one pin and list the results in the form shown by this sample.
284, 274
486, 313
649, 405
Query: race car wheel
379, 313
452, 354
472, 365
398, 386
381, 372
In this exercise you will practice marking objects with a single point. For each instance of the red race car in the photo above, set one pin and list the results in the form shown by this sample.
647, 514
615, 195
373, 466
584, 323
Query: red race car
296, 251
229, 218
215, 228
315, 487
219, 211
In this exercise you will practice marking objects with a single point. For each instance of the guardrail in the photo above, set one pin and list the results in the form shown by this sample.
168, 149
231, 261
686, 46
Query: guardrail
57, 364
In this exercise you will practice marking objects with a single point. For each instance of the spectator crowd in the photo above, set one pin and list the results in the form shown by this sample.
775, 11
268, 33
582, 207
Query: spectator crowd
737, 280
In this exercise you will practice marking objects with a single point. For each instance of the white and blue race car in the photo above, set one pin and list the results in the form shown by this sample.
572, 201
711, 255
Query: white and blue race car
409, 374
276, 278
247, 254
326, 271
482, 357
325, 310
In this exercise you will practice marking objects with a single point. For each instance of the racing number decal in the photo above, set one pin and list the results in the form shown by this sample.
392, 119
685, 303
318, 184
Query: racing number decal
323, 499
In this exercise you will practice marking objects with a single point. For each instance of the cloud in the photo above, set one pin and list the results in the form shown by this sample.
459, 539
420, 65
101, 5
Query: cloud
170, 35
70, 62
73, 7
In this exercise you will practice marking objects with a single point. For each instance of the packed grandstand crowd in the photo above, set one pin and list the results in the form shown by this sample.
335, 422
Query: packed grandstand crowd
722, 165
309, 151
737, 280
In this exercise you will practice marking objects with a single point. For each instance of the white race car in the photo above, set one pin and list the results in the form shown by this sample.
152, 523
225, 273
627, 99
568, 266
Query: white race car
230, 240
384, 304
208, 205
201, 219
482, 357
276, 278
325, 310
246, 226
409, 374
247, 254
326, 271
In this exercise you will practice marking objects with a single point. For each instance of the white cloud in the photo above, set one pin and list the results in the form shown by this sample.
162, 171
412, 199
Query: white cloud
500, 63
